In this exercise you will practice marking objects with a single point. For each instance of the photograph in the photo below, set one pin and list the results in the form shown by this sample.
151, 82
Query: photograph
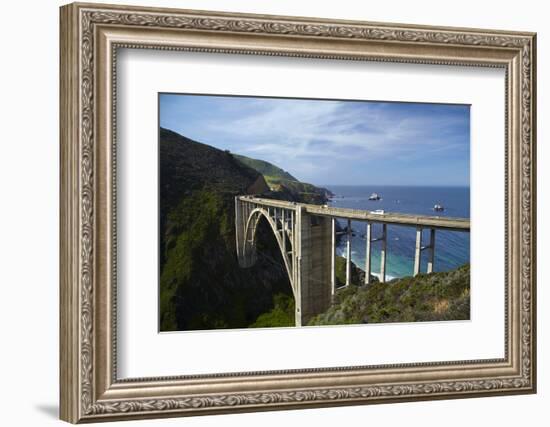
292, 212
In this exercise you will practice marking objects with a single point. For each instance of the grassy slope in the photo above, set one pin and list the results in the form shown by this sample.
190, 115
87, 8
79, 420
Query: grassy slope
265, 168
283, 185
426, 297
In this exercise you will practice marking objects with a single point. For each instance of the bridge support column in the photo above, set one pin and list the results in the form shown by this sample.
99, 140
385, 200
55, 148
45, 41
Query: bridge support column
283, 230
240, 221
348, 254
383, 249
301, 233
432, 251
417, 250
313, 246
368, 236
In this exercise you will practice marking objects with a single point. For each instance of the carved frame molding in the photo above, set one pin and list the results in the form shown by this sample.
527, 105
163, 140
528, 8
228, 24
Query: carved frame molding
90, 36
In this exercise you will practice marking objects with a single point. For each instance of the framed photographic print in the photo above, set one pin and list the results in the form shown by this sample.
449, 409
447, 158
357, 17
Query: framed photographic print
265, 212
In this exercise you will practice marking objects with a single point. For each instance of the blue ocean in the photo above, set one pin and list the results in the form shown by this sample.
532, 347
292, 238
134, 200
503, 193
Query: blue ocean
452, 248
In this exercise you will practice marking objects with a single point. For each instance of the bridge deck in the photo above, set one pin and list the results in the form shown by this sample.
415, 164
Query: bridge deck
428, 221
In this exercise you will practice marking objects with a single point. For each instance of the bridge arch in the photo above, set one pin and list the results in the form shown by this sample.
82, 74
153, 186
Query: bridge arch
282, 234
304, 242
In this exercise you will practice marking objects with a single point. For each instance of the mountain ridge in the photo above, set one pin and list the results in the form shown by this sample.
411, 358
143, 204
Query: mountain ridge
285, 186
265, 168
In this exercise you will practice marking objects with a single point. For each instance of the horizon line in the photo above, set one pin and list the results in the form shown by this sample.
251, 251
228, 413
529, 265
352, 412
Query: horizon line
393, 185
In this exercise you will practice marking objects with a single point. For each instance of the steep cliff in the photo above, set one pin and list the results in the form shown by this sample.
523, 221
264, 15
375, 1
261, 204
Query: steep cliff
201, 284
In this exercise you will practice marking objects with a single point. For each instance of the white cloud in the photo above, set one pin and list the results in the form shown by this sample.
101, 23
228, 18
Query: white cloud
294, 128
311, 139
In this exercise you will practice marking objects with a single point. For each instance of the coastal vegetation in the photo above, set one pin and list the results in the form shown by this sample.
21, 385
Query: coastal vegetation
268, 170
282, 313
426, 297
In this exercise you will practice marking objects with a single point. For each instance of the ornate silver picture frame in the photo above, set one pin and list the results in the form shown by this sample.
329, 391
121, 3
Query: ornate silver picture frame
91, 35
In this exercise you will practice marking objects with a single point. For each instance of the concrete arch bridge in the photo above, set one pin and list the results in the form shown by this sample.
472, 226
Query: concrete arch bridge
306, 235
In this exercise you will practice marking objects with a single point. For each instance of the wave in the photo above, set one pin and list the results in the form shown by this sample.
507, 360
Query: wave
388, 277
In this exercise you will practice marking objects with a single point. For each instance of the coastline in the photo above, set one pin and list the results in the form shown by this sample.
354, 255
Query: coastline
377, 275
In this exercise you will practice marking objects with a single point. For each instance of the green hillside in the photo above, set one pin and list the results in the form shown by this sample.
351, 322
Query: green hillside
426, 297
201, 283
265, 168
283, 185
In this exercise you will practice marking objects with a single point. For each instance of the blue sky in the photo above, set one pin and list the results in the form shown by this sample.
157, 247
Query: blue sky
333, 142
